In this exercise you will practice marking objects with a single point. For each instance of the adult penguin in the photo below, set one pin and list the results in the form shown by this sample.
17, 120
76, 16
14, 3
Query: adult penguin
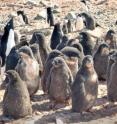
25, 18
89, 21
64, 28
69, 26
12, 59
56, 36
7, 41
63, 43
50, 16
87, 43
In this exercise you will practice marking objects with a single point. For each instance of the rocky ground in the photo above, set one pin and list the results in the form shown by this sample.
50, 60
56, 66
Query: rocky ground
105, 13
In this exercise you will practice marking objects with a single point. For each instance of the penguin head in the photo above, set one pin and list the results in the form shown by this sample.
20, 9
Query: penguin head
78, 46
70, 51
58, 61
12, 76
27, 50
9, 25
88, 61
110, 34
49, 10
83, 1
103, 48
21, 44
85, 16
20, 12
54, 54
34, 47
39, 38
111, 31
83, 36
72, 41
69, 22
65, 39
71, 60
57, 26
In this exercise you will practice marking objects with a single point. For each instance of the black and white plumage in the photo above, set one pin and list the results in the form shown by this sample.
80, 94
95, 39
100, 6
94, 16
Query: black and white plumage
56, 36
50, 16
63, 43
25, 18
7, 41
87, 43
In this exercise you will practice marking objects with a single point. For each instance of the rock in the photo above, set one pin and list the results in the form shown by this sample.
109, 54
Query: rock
41, 16
56, 6
56, 10
32, 2
44, 3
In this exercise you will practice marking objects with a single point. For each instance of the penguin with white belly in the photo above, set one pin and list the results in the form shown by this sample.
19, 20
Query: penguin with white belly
7, 41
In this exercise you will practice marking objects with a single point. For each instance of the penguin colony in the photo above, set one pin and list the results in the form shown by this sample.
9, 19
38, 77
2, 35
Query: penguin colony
67, 70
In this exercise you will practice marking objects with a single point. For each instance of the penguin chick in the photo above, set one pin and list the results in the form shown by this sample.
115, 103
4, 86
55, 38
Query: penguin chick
16, 101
